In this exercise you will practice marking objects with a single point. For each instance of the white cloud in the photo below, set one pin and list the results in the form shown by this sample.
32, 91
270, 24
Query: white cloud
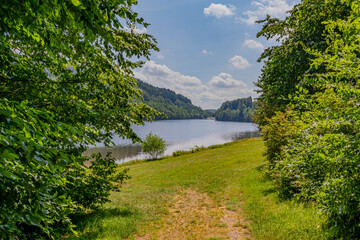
224, 87
274, 8
250, 43
205, 52
224, 80
219, 10
160, 56
239, 62
162, 76
221, 88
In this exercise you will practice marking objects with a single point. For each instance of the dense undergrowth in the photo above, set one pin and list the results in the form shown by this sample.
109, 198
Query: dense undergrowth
312, 137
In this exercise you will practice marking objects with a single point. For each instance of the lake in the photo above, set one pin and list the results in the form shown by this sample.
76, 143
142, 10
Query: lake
179, 135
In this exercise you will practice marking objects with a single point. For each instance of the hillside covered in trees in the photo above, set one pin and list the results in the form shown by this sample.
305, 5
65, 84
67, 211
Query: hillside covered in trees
239, 110
173, 105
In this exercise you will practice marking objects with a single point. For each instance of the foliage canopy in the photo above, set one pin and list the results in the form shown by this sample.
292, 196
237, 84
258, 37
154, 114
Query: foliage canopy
312, 143
65, 83
286, 64
73, 58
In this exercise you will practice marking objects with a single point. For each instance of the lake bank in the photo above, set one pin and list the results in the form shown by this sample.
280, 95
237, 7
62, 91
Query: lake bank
179, 135
225, 179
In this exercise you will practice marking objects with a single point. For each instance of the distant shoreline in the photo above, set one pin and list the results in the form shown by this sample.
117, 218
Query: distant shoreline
208, 118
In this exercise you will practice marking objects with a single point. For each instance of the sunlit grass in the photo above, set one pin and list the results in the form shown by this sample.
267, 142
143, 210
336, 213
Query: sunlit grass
230, 175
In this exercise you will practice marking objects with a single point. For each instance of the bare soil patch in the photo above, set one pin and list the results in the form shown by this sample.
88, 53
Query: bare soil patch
195, 215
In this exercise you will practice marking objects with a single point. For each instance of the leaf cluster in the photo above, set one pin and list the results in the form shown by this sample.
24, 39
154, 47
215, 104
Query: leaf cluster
43, 176
35, 151
90, 187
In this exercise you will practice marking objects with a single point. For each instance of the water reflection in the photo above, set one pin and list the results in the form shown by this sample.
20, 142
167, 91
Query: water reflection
242, 135
179, 135
119, 152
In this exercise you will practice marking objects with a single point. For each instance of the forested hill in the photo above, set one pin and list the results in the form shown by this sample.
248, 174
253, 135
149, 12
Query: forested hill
239, 110
173, 105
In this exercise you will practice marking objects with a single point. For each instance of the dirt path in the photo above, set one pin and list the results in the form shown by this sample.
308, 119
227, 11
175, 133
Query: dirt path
195, 215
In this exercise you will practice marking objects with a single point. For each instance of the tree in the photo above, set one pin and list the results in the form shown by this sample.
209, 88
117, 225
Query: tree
65, 82
73, 58
240, 110
286, 65
154, 145
325, 155
317, 136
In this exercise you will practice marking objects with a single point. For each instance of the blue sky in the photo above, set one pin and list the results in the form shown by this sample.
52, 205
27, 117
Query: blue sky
208, 49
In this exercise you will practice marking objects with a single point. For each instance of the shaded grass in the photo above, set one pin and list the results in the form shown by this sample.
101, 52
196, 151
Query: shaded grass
115, 222
229, 174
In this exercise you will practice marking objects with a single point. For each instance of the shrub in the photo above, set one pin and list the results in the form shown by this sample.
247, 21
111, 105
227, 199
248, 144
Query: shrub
42, 176
313, 145
90, 187
154, 146
320, 160
34, 153
323, 160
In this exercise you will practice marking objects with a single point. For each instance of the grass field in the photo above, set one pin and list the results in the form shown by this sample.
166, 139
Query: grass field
217, 193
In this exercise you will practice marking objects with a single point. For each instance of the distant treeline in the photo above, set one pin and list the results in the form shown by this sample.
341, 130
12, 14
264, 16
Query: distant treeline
239, 110
174, 106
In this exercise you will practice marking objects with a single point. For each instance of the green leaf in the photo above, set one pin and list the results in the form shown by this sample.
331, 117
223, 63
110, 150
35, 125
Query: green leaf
76, 2
33, 220
8, 174
8, 155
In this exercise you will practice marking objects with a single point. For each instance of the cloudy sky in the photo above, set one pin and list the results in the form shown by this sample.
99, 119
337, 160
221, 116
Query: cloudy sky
208, 49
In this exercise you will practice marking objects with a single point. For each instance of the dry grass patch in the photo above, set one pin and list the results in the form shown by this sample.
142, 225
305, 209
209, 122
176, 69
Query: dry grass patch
195, 215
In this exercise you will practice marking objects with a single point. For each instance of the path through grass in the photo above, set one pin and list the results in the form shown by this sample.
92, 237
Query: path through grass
230, 184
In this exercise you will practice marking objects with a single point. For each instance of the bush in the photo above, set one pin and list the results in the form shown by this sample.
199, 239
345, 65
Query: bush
315, 142
43, 178
90, 187
34, 153
323, 160
154, 146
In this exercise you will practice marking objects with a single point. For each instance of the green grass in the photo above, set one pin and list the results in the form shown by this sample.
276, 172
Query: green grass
230, 175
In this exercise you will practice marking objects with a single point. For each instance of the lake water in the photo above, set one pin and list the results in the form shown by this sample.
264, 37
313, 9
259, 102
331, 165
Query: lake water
179, 135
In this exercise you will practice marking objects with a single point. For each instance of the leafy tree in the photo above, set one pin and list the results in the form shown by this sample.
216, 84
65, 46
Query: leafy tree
286, 65
73, 58
65, 82
319, 157
329, 161
154, 145
240, 110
